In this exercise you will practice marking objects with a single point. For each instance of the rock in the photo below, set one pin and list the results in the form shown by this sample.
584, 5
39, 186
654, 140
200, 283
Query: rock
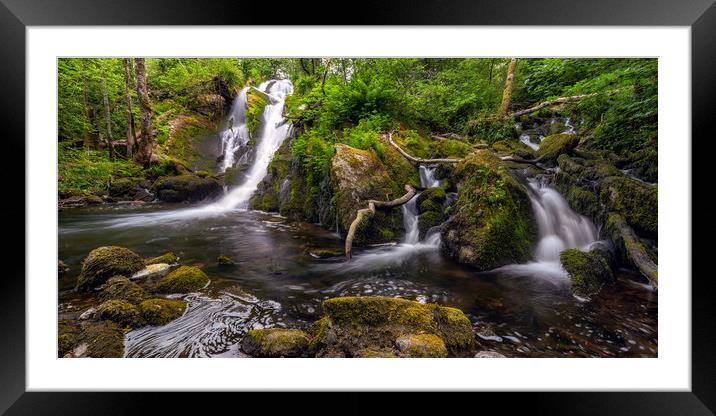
375, 353
431, 199
357, 176
428, 220
119, 311
67, 336
489, 354
493, 224
88, 314
185, 279
152, 270
62, 268
225, 261
557, 144
101, 339
130, 189
514, 147
636, 202
168, 258
351, 325
275, 342
189, 188
589, 272
161, 311
105, 262
120, 288
421, 346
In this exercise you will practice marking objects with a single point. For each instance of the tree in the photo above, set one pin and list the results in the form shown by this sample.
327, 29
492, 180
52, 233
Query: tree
146, 142
507, 93
108, 119
131, 134
90, 140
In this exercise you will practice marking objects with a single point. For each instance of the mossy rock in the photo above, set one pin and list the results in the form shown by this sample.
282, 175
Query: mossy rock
514, 147
421, 346
428, 220
119, 311
583, 201
100, 339
120, 288
376, 353
638, 203
225, 261
588, 271
493, 224
67, 336
352, 324
557, 144
122, 186
105, 262
185, 279
161, 311
569, 164
275, 342
189, 188
167, 258
431, 199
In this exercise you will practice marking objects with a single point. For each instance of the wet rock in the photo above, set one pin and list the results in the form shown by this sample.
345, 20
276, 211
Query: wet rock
557, 144
101, 339
120, 312
152, 270
493, 223
161, 311
67, 336
88, 314
489, 354
185, 279
168, 258
189, 188
62, 268
376, 353
105, 262
120, 288
636, 202
130, 189
421, 346
588, 271
225, 261
351, 325
275, 342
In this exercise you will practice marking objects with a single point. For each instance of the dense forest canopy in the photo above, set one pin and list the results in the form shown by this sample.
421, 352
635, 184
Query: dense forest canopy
348, 100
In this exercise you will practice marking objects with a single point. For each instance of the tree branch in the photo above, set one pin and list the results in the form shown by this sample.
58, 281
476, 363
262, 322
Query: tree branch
418, 160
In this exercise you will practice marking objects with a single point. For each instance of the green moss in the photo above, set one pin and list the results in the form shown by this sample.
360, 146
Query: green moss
105, 262
224, 261
189, 188
275, 342
428, 220
583, 201
514, 147
422, 346
161, 311
103, 339
557, 144
255, 102
120, 288
67, 336
122, 185
372, 352
167, 258
636, 202
587, 271
119, 311
183, 280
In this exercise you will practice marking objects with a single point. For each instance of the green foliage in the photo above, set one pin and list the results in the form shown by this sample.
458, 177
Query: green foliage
89, 171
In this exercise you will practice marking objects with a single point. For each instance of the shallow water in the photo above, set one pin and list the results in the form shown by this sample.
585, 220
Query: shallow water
276, 283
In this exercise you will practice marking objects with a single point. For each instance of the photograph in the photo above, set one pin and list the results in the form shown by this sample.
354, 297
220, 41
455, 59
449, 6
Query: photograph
357, 207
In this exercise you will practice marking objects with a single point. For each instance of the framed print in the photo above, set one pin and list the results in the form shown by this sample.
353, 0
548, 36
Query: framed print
296, 204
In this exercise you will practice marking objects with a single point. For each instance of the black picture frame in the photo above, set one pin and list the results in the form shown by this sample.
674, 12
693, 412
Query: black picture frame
15, 15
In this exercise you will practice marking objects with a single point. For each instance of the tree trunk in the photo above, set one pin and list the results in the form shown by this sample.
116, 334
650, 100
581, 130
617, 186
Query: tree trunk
507, 93
90, 138
145, 142
131, 134
108, 119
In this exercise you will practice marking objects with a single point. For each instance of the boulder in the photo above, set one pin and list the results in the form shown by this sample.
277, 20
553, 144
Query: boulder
352, 325
168, 258
588, 271
186, 188
225, 261
62, 268
557, 144
120, 288
153, 270
161, 311
185, 279
105, 262
493, 224
132, 189
67, 336
119, 311
637, 202
100, 339
275, 342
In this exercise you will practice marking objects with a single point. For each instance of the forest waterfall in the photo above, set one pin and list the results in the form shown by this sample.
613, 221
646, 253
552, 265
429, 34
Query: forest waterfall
410, 210
235, 133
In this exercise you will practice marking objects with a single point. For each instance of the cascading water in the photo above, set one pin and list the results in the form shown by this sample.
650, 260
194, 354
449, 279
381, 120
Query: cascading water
559, 228
235, 133
410, 210
427, 176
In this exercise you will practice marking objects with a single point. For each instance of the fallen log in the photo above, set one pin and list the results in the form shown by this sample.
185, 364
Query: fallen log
512, 158
560, 100
623, 235
366, 213
418, 160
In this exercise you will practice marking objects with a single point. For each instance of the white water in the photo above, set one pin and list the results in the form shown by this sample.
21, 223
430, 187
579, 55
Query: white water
274, 132
427, 176
235, 133
410, 211
559, 228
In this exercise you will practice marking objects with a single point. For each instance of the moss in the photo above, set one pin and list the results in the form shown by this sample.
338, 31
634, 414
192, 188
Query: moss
494, 223
224, 261
105, 262
103, 339
421, 346
428, 220
161, 311
119, 311
166, 258
435, 195
121, 186
230, 176
455, 329
183, 280
557, 144
190, 188
120, 288
569, 165
255, 103
636, 202
589, 272
514, 147
67, 336
583, 201
371, 352
275, 342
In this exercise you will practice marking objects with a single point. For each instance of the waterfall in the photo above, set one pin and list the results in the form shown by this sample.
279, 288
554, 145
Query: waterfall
410, 210
559, 228
235, 133
427, 176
